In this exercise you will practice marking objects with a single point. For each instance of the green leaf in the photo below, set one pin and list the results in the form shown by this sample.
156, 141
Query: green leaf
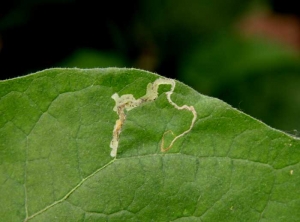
55, 165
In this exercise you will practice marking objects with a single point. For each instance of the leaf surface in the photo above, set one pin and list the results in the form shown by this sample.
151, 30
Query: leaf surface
55, 165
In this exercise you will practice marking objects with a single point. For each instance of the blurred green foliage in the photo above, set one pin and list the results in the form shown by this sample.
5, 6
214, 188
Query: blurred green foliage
259, 77
90, 58
190, 40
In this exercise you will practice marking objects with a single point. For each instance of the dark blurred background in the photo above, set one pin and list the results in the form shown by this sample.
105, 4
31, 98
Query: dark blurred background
246, 53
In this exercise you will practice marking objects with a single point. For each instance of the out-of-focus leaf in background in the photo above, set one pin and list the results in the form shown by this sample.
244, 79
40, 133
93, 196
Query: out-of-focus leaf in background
89, 58
256, 76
